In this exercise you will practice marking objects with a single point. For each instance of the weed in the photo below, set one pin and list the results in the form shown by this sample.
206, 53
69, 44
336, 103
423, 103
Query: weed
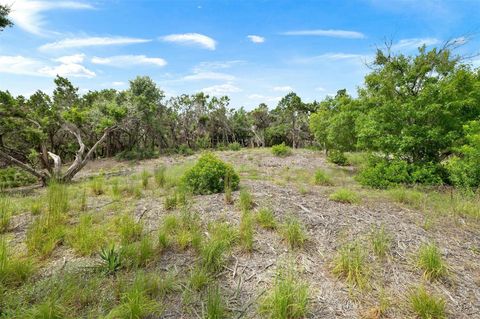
344, 195
427, 306
407, 196
228, 189
281, 150
266, 218
337, 157
116, 191
381, 241
293, 233
135, 303
321, 178
351, 264
138, 254
83, 200
213, 254
49, 309
36, 207
13, 270
288, 298
430, 260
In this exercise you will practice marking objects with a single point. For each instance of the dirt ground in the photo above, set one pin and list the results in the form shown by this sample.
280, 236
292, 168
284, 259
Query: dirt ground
284, 184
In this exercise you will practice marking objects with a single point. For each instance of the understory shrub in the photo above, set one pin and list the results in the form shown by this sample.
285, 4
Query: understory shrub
337, 157
235, 146
281, 150
184, 150
383, 173
207, 176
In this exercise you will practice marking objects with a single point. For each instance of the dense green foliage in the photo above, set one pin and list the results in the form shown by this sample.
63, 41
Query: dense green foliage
4, 20
281, 150
13, 177
207, 176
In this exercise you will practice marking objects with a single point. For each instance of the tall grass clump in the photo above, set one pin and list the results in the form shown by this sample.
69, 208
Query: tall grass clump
214, 306
321, 178
246, 231
135, 303
86, 237
246, 201
266, 219
281, 150
145, 176
159, 176
406, 196
13, 270
228, 189
97, 185
344, 195
137, 254
128, 229
48, 230
5, 213
431, 262
425, 305
381, 241
293, 233
351, 264
287, 299
198, 278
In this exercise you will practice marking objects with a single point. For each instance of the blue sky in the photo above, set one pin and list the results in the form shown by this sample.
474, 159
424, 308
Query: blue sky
252, 51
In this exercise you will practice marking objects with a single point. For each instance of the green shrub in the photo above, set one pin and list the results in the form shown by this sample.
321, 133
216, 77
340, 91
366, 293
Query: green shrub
14, 177
137, 154
208, 175
344, 195
427, 306
321, 178
184, 150
337, 157
235, 146
382, 173
281, 150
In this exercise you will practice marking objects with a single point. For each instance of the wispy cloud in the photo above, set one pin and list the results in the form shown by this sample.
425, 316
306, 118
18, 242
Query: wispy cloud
282, 88
256, 38
209, 76
328, 33
17, 64
221, 89
89, 42
414, 43
70, 65
208, 66
129, 60
264, 98
191, 39
29, 14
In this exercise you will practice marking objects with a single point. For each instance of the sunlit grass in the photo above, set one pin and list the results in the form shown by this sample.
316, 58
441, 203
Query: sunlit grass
351, 264
431, 262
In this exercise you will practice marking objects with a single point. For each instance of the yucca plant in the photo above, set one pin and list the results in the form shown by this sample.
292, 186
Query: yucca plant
111, 261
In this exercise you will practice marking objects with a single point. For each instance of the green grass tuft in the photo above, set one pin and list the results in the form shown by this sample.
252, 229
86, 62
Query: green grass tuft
381, 241
427, 306
351, 264
344, 195
321, 178
293, 232
266, 219
6, 211
430, 260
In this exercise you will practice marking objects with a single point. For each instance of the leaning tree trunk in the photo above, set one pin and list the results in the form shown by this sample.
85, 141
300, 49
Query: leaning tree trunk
55, 173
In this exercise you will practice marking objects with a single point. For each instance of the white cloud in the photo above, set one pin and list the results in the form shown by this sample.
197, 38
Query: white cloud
256, 38
347, 57
118, 83
263, 98
320, 89
69, 59
129, 60
191, 39
282, 89
414, 43
209, 76
69, 69
328, 33
221, 89
18, 65
28, 14
90, 41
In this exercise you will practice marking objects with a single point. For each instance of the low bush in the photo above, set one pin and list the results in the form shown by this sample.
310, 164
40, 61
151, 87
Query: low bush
185, 150
321, 178
207, 176
337, 157
137, 154
281, 150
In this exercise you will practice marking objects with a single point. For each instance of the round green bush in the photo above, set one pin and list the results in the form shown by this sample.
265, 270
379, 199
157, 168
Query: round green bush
281, 150
337, 157
207, 176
